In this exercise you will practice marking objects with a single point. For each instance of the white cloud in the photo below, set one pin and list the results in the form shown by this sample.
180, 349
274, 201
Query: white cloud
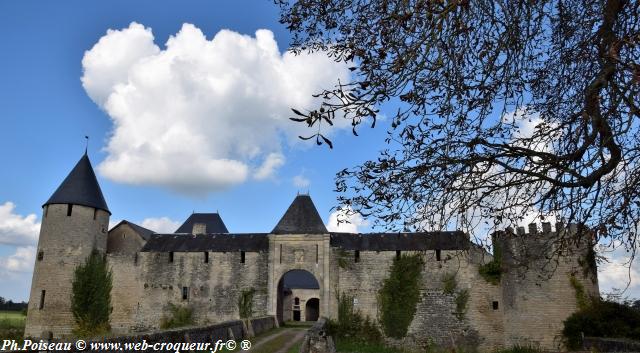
16, 229
355, 222
20, 262
200, 115
161, 225
619, 273
269, 166
300, 181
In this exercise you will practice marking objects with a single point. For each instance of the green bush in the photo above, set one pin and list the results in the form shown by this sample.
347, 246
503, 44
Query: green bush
351, 324
400, 294
180, 316
601, 319
91, 296
491, 271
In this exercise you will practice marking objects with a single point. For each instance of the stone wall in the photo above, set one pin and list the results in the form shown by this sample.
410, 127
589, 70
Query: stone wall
435, 321
64, 243
212, 288
537, 290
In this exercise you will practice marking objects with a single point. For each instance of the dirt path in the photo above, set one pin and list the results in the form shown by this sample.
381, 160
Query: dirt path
280, 341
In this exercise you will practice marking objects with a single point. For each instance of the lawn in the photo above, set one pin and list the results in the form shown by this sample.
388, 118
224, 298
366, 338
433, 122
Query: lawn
347, 346
12, 325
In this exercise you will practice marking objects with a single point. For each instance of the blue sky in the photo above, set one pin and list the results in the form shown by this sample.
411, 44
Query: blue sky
205, 132
46, 112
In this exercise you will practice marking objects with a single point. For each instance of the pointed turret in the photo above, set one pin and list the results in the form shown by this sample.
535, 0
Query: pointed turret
301, 217
80, 187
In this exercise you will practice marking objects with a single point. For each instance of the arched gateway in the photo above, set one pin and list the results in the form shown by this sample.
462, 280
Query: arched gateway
299, 243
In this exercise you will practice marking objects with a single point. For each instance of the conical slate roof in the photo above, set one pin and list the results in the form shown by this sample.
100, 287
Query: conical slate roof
301, 218
80, 187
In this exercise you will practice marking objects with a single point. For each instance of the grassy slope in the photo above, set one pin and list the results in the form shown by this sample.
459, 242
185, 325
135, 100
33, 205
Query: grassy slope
12, 325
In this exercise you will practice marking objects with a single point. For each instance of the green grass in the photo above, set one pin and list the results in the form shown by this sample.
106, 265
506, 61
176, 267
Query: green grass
274, 344
12, 325
347, 346
295, 348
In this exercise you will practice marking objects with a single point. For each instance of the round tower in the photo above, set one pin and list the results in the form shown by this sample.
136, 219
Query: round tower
75, 222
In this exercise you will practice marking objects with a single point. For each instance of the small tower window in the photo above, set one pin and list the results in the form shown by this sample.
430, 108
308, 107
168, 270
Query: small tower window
206, 257
317, 253
398, 254
46, 211
495, 305
242, 256
280, 253
356, 256
40, 255
185, 293
95, 213
42, 294
438, 255
135, 259
171, 256
69, 209
296, 301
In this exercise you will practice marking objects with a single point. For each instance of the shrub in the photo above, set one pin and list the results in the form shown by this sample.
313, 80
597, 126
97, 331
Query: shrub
400, 294
491, 271
601, 319
180, 316
352, 325
519, 349
91, 296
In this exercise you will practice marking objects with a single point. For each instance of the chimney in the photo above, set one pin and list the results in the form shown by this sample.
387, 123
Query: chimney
199, 228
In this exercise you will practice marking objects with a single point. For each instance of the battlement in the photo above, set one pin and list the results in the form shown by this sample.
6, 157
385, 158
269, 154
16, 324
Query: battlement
533, 229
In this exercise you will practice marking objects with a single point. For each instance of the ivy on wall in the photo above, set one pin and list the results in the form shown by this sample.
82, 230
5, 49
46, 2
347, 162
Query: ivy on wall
245, 303
492, 270
400, 294
180, 316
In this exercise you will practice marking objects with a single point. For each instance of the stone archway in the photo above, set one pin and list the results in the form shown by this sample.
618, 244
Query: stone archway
294, 289
312, 309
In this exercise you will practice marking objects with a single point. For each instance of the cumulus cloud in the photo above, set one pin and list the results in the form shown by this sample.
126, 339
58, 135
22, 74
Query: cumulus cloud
201, 114
354, 222
269, 166
18, 263
16, 229
300, 181
161, 225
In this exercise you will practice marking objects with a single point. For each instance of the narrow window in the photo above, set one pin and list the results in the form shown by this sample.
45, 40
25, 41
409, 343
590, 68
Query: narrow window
316, 253
398, 254
42, 294
135, 259
297, 301
242, 256
280, 253
46, 211
40, 255
357, 256
69, 209
124, 235
495, 305
185, 293
206, 257
171, 256
438, 255
95, 213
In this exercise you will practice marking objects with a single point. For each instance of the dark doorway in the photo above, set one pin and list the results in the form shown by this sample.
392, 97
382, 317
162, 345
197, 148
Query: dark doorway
286, 306
312, 309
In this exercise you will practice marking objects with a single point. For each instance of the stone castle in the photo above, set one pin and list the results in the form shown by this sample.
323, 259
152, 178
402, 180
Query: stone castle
297, 270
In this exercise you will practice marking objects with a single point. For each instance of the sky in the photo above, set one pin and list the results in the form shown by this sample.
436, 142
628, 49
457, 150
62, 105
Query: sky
186, 105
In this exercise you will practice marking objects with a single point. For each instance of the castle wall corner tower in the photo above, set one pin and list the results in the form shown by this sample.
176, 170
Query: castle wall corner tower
75, 222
